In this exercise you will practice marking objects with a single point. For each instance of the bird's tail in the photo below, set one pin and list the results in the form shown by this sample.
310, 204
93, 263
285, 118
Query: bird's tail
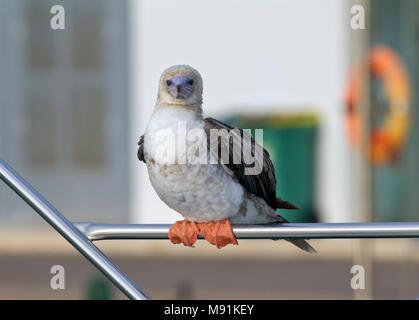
300, 243
283, 204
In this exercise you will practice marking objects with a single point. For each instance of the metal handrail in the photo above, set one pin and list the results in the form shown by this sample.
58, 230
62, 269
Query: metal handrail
67, 229
81, 234
101, 231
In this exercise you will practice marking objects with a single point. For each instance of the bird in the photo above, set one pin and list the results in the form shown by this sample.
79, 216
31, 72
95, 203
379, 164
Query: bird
186, 171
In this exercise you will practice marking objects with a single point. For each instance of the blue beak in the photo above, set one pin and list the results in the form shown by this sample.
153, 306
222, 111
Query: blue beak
180, 87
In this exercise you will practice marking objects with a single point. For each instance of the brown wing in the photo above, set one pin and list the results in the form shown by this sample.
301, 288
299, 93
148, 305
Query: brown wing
263, 184
140, 153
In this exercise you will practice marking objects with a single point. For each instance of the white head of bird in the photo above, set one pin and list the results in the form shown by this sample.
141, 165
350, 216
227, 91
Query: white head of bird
180, 86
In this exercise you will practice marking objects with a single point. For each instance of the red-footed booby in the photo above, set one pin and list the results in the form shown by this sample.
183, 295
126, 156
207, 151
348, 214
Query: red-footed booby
190, 173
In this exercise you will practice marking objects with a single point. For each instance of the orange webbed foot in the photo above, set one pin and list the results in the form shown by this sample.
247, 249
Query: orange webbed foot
185, 232
218, 233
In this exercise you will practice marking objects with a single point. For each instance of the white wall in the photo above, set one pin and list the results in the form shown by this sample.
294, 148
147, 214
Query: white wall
259, 54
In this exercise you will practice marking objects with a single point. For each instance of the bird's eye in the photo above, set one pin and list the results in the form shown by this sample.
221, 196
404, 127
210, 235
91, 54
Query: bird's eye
190, 82
169, 82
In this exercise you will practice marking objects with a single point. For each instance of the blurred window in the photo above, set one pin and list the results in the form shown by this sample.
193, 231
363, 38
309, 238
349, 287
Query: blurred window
88, 134
63, 61
40, 130
40, 47
65, 118
88, 46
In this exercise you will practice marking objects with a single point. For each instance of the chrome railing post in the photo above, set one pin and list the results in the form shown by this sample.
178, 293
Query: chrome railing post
73, 235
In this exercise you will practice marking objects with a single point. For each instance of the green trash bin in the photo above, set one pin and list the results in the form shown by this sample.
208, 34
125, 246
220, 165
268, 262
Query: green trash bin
290, 140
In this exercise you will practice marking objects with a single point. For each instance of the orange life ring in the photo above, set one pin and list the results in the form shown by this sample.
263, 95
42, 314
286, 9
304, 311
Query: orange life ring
388, 138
